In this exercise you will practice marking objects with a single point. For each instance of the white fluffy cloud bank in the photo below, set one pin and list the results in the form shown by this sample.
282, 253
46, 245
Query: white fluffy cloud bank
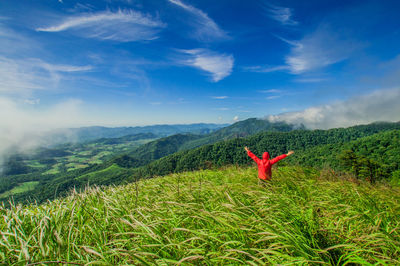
23, 126
382, 105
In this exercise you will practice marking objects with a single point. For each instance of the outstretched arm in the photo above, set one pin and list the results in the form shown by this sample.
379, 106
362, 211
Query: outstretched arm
252, 156
280, 157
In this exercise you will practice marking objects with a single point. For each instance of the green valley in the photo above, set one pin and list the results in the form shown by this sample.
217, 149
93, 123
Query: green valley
152, 159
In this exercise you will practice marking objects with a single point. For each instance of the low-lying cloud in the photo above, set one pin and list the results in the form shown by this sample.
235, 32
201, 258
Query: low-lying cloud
23, 126
381, 105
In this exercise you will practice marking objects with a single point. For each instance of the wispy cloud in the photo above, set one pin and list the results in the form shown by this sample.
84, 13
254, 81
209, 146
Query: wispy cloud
13, 43
31, 101
281, 14
122, 26
310, 80
275, 93
222, 109
381, 105
216, 64
273, 97
24, 76
219, 97
317, 50
314, 51
62, 68
270, 91
265, 69
206, 28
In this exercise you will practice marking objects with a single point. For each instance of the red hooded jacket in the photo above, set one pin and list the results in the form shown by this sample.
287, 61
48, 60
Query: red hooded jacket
264, 165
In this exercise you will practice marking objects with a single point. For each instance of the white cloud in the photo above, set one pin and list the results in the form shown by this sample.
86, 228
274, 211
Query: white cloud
63, 68
24, 76
219, 97
236, 118
122, 26
31, 101
13, 43
218, 65
278, 93
22, 126
319, 49
270, 91
310, 80
206, 28
265, 69
381, 105
222, 109
281, 14
273, 97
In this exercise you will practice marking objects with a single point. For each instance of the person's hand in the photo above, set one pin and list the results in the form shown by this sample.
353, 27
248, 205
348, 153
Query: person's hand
290, 153
246, 149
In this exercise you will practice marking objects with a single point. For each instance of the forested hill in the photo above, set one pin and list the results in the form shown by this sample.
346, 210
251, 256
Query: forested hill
231, 152
218, 154
372, 157
243, 128
162, 147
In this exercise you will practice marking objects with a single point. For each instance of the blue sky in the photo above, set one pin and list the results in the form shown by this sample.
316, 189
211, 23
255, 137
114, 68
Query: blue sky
141, 62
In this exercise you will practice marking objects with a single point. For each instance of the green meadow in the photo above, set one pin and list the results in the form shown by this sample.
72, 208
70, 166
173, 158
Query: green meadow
24, 187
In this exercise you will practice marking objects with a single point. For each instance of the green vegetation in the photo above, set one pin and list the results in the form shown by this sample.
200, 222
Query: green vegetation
84, 134
317, 148
242, 129
212, 217
114, 169
45, 163
24, 187
373, 157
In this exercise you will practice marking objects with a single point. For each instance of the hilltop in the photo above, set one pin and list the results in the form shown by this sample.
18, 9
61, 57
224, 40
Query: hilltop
214, 217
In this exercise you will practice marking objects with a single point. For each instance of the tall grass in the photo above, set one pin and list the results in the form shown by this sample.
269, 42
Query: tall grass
211, 217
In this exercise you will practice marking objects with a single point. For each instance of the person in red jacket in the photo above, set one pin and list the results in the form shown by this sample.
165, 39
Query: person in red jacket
264, 165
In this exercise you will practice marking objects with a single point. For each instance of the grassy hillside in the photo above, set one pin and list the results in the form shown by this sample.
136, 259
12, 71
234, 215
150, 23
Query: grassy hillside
212, 217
